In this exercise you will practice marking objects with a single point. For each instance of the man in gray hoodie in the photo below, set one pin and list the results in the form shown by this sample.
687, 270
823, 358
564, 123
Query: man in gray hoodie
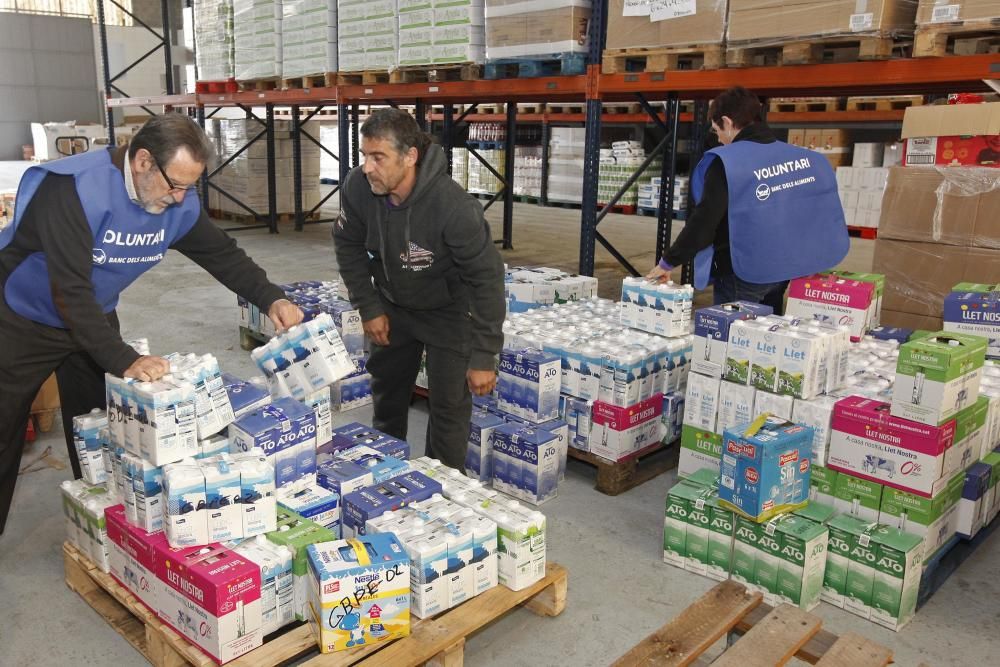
418, 261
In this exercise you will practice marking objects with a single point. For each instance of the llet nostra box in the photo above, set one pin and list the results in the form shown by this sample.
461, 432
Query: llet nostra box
938, 376
617, 432
934, 519
711, 333
833, 301
297, 533
700, 450
971, 311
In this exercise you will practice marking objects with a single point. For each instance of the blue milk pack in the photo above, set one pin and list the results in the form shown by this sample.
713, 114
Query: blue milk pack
529, 383
382, 467
766, 472
286, 431
976, 313
356, 433
479, 454
560, 429
525, 463
891, 333
244, 396
343, 477
314, 503
394, 447
711, 333
372, 501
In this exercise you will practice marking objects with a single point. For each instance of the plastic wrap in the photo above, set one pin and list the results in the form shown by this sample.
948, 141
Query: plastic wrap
526, 28
213, 34
933, 13
257, 39
771, 22
638, 23
308, 38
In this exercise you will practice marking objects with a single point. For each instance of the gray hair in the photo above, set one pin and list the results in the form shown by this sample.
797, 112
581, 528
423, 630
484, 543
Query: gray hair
166, 134
398, 126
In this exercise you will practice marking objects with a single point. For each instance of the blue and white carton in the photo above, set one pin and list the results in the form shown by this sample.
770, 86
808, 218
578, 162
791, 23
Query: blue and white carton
711, 333
529, 383
382, 467
286, 431
258, 503
343, 477
525, 463
223, 492
314, 503
479, 454
245, 396
976, 313
375, 500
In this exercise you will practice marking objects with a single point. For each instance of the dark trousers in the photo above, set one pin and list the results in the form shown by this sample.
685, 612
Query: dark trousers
29, 353
394, 369
732, 288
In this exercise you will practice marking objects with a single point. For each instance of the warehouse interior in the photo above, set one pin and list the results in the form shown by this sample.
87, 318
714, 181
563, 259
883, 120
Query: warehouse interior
584, 165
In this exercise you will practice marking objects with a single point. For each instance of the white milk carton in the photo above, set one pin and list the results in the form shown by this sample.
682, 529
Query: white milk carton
739, 352
736, 405
222, 496
87, 430
817, 413
938, 376
779, 406
711, 333
701, 402
258, 503
319, 401
276, 581
167, 432
146, 498
802, 366
768, 339
528, 384
186, 520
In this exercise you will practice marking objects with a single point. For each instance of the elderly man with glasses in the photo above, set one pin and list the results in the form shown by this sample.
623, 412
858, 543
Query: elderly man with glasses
85, 227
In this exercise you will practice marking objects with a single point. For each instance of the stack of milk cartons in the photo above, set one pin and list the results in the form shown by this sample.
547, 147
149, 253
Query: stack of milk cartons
368, 35
277, 584
617, 166
452, 550
649, 193
663, 309
974, 308
83, 512
305, 359
257, 39
416, 32
459, 31
308, 38
213, 36
566, 153
213, 410
90, 439
528, 171
861, 186
911, 455
286, 432
837, 301
529, 288
521, 549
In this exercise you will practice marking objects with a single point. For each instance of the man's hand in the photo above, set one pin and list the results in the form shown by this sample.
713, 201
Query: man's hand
658, 274
377, 329
481, 383
284, 314
148, 369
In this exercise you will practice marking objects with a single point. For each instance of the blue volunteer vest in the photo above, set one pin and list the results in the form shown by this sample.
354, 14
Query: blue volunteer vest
128, 241
785, 217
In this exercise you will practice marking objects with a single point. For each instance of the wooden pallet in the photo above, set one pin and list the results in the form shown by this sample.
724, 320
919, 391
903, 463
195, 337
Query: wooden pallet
270, 83
568, 64
697, 56
804, 104
366, 78
885, 103
843, 48
324, 80
438, 73
216, 87
617, 477
770, 636
581, 107
960, 38
439, 640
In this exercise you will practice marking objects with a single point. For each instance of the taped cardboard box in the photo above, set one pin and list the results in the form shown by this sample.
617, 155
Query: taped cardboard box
779, 20
918, 275
948, 206
952, 135
931, 12
707, 25
911, 321
517, 29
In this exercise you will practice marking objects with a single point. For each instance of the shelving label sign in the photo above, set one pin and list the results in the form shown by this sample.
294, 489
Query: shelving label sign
860, 22
943, 13
664, 10
636, 8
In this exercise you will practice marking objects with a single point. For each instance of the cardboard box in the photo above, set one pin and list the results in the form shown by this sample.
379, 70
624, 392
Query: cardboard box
933, 519
707, 25
934, 11
952, 135
700, 450
976, 313
520, 29
617, 432
938, 376
775, 19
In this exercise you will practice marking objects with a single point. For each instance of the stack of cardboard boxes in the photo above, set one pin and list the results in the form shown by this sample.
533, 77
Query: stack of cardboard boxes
757, 22
652, 25
528, 29
213, 36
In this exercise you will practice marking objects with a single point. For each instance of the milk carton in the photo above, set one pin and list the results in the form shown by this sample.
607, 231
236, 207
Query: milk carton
521, 546
739, 352
860, 583
132, 558
858, 497
822, 484
934, 519
528, 384
870, 444
711, 333
359, 593
319, 401
286, 431
937, 376
672, 417
428, 553
245, 397
617, 432
343, 477
277, 591
186, 520
560, 429
257, 497
897, 577
768, 344
87, 431
92, 512
211, 597
701, 402
212, 446
700, 450
768, 561
971, 510
802, 561
765, 468
833, 300
975, 312
314, 503
720, 539
774, 404
698, 533
297, 533
222, 499
736, 405
167, 425
675, 520
842, 530
382, 467
802, 366
479, 455
817, 414
144, 484
359, 506
745, 551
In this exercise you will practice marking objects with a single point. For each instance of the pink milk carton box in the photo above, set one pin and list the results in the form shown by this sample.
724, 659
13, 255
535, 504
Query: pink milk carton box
616, 432
211, 596
868, 442
834, 301
132, 556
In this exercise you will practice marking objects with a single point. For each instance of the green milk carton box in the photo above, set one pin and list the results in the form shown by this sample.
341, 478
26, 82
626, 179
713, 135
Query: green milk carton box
765, 572
937, 376
817, 512
698, 520
861, 572
720, 541
679, 499
745, 551
803, 561
858, 497
993, 495
838, 557
822, 482
933, 519
701, 449
897, 577
297, 533
705, 477
970, 432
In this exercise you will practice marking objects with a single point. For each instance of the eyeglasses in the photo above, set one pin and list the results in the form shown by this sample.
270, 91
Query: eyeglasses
173, 187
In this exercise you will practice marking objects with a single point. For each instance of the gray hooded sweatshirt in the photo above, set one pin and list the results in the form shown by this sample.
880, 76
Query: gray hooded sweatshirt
432, 252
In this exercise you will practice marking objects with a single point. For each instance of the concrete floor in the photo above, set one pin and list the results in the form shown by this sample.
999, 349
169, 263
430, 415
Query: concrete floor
619, 591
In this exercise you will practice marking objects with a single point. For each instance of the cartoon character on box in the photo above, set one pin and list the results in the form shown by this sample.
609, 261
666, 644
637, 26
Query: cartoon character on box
352, 623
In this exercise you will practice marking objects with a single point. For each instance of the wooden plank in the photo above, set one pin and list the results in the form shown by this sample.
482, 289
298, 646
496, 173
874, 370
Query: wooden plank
774, 641
292, 644
684, 639
453, 656
853, 650
811, 652
430, 638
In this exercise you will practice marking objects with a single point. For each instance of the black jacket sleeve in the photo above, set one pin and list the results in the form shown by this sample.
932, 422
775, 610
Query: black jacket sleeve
701, 227
349, 235
216, 252
65, 238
